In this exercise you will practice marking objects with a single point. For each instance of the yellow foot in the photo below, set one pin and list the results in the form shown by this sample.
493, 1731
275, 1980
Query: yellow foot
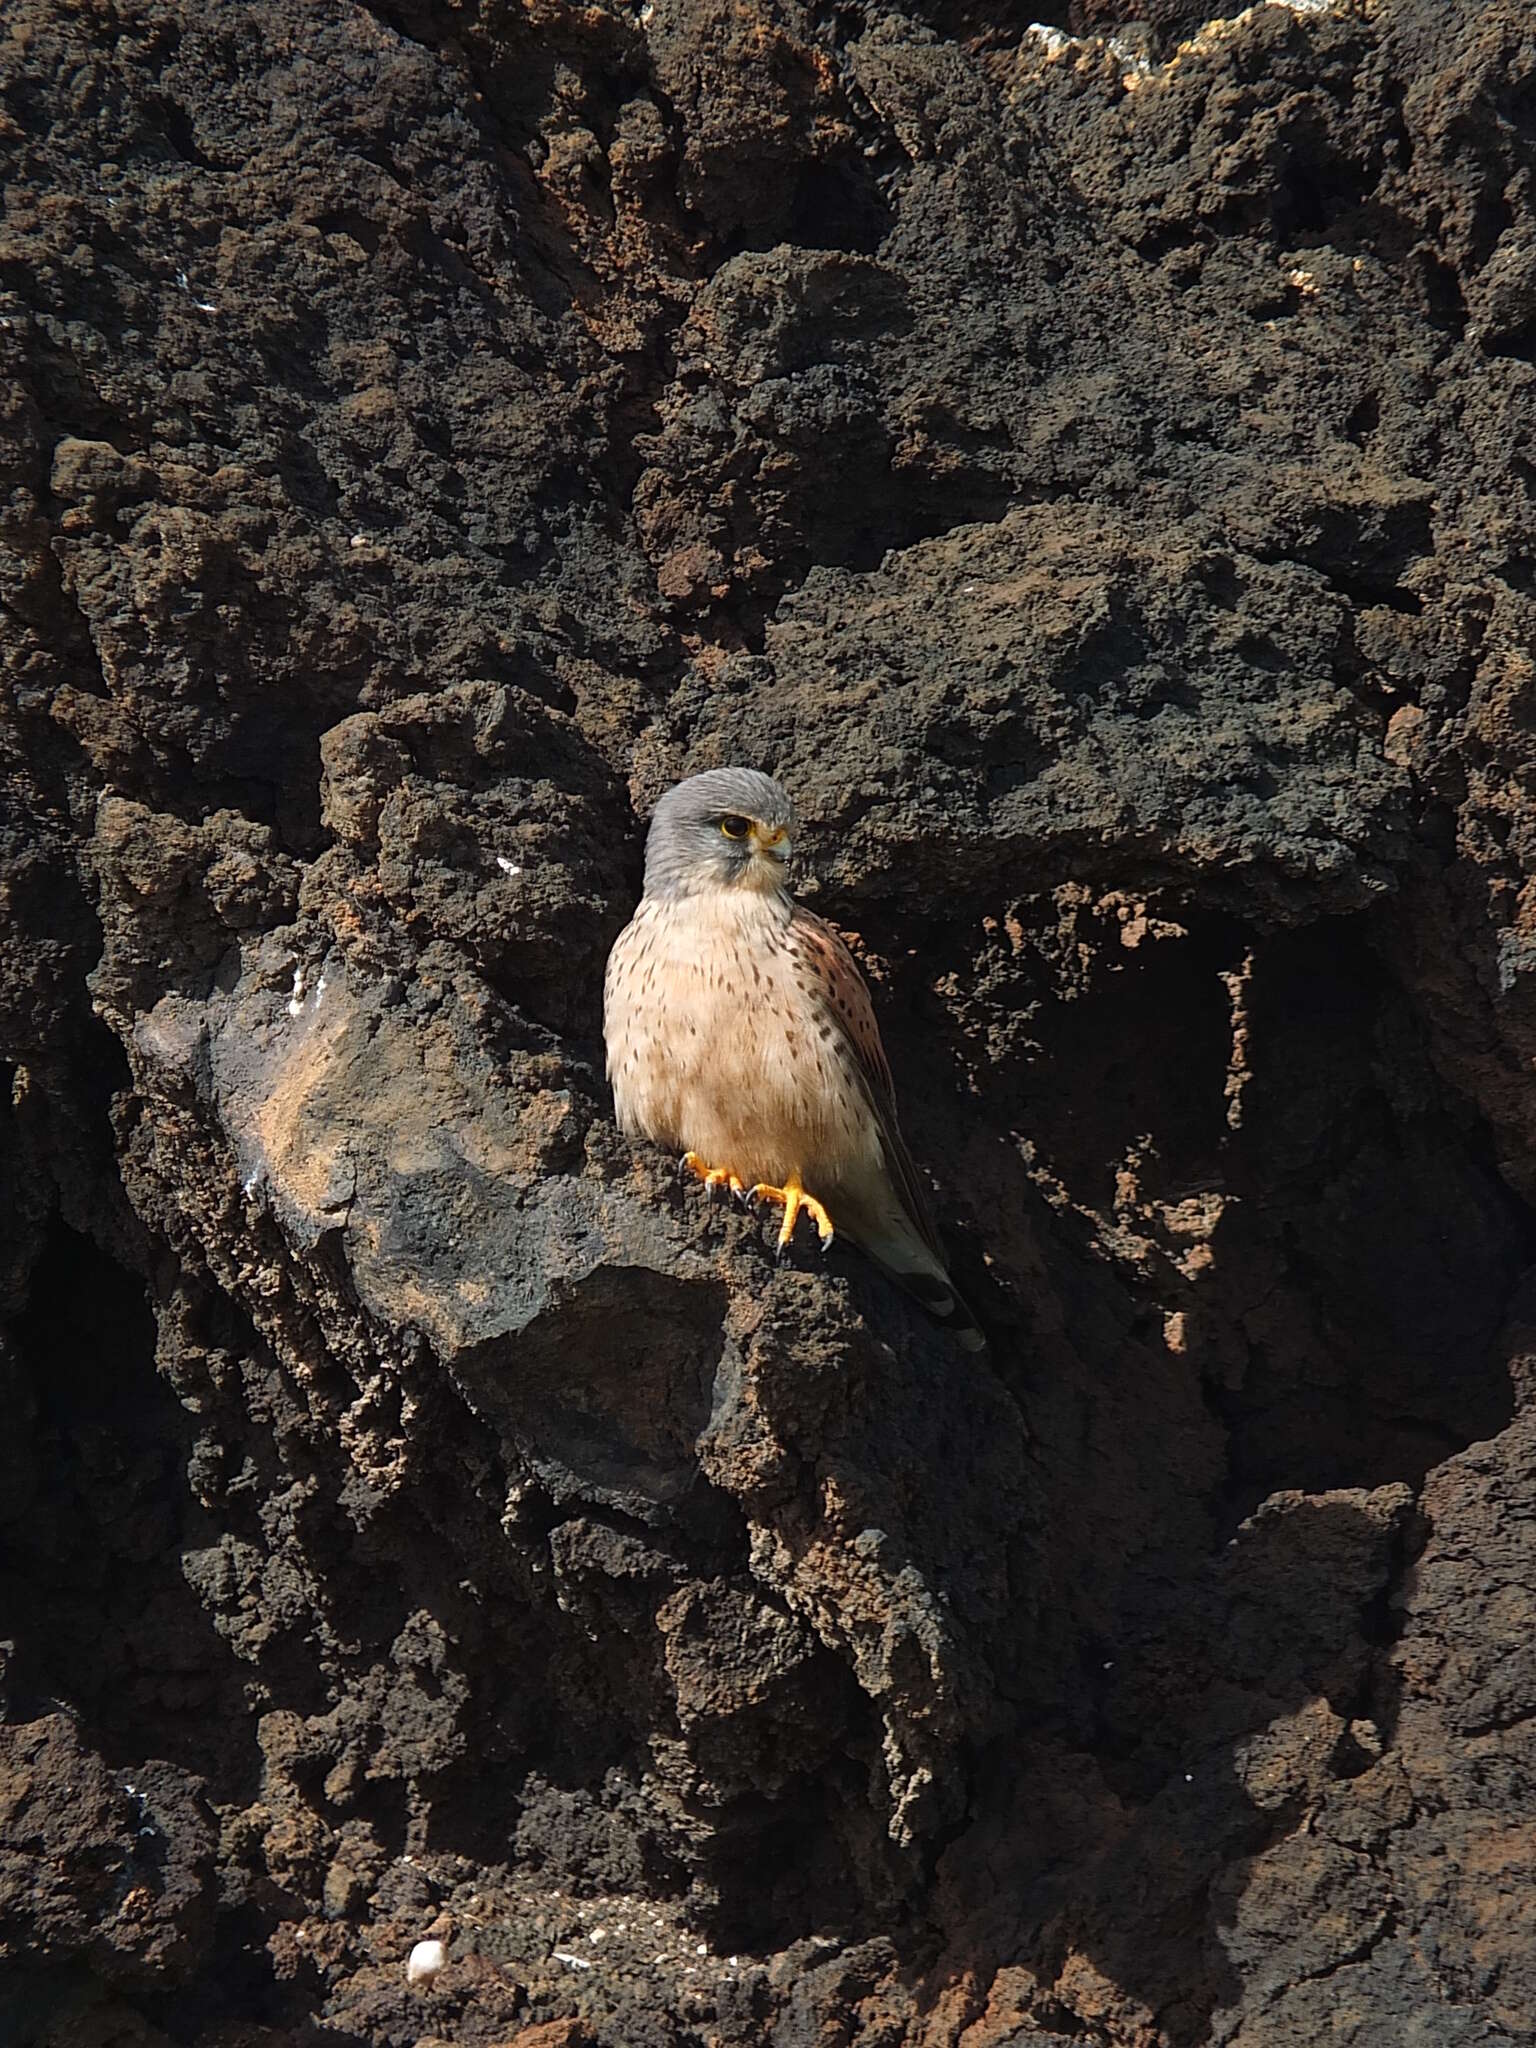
714, 1177
793, 1199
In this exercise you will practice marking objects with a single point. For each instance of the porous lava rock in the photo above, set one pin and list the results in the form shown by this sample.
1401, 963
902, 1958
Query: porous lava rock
1093, 463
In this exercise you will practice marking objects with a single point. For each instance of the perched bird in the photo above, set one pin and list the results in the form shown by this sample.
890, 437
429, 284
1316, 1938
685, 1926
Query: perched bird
740, 1033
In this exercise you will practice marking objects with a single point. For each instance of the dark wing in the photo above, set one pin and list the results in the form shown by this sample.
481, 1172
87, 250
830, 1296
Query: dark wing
845, 1000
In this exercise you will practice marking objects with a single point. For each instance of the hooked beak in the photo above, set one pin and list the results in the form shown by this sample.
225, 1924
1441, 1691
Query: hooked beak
776, 844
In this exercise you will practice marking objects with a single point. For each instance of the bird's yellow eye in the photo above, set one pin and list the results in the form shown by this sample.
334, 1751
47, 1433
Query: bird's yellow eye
734, 827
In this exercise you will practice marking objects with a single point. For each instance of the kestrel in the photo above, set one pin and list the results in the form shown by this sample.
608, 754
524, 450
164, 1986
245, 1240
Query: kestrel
740, 1033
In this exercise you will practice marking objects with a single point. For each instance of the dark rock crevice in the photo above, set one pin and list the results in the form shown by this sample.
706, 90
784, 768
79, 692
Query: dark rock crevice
1092, 468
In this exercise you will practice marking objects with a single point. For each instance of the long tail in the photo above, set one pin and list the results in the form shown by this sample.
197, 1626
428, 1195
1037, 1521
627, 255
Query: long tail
885, 1231
939, 1295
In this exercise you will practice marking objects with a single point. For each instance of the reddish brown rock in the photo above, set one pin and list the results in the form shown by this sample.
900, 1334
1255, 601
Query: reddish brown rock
1092, 464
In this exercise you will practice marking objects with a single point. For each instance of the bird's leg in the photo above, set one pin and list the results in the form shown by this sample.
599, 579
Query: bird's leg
714, 1177
793, 1199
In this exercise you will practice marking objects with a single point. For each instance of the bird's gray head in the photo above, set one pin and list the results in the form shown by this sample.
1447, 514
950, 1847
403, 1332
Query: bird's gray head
728, 828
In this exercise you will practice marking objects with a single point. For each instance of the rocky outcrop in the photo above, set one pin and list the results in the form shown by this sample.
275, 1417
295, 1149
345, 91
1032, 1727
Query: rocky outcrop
1092, 465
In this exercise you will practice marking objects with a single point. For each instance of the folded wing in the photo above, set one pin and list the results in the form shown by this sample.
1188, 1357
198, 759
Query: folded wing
852, 1017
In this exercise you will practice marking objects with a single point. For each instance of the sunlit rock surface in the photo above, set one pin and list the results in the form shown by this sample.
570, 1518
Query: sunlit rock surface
1092, 463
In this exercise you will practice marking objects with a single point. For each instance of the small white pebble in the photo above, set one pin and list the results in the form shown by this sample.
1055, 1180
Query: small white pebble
424, 1962
1189, 1777
359, 540
598, 1934
510, 867
575, 1962
701, 1950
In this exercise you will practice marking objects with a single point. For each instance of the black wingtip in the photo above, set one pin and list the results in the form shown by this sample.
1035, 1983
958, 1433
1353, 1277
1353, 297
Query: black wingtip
946, 1306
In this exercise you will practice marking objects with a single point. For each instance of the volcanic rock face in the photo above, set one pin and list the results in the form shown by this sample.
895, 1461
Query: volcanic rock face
1093, 465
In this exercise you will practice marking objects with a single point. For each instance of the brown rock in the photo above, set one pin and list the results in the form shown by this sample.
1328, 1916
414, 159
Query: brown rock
1093, 466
